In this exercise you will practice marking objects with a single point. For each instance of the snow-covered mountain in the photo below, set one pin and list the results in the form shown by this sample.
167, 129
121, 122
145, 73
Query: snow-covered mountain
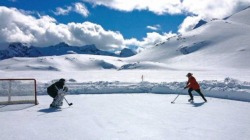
217, 44
24, 50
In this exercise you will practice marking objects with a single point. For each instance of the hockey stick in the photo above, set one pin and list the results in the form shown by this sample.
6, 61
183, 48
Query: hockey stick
175, 99
70, 104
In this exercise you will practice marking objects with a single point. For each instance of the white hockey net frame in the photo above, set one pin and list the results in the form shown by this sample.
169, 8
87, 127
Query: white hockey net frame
18, 91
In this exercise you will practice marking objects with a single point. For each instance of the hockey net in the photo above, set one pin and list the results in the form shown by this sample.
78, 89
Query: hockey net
18, 91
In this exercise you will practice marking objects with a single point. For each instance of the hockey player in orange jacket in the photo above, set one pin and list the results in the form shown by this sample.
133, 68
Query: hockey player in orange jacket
192, 84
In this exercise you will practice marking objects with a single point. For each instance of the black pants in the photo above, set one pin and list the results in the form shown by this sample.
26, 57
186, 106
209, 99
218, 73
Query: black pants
198, 91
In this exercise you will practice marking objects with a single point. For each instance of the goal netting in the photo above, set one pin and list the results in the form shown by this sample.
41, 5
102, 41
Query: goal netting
18, 91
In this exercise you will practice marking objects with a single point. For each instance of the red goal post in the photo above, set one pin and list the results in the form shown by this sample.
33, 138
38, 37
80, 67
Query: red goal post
18, 91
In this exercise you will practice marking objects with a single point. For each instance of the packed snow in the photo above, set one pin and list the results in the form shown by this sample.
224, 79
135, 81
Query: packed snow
127, 117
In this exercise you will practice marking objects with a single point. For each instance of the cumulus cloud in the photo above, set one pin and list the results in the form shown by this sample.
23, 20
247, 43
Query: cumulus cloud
209, 9
189, 23
149, 41
16, 26
81, 9
63, 11
204, 8
154, 27
78, 7
90, 33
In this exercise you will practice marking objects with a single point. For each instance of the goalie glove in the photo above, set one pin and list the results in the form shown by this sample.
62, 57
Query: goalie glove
65, 89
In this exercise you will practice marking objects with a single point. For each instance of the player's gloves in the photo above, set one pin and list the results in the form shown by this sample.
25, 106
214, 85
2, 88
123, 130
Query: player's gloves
65, 89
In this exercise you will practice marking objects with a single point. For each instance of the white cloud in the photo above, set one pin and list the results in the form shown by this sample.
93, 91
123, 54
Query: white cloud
159, 7
154, 27
16, 26
62, 11
81, 9
149, 41
90, 33
78, 7
188, 24
203, 8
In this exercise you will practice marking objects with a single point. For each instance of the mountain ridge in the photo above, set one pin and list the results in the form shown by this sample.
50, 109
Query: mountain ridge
18, 49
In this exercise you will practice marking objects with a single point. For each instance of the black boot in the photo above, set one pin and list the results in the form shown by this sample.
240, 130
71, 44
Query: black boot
51, 105
205, 99
191, 100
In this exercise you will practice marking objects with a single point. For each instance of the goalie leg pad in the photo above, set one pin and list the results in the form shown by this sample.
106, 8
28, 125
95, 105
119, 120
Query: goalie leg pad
58, 101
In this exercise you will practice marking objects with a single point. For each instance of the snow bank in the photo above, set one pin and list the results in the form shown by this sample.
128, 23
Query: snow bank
227, 89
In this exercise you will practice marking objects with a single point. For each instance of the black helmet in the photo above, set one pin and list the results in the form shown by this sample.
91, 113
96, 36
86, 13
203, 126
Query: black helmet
189, 74
62, 80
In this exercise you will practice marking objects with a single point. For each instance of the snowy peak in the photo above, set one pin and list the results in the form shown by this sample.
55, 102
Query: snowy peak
18, 49
199, 24
241, 17
63, 48
25, 50
127, 52
61, 45
15, 50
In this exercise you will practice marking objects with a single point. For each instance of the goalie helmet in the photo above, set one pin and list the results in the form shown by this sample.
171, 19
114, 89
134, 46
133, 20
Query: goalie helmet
62, 80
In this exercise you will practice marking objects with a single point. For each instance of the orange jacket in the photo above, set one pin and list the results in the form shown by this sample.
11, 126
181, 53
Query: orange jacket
192, 83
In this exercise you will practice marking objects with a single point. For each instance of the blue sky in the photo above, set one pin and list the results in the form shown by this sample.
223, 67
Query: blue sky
134, 24
109, 24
